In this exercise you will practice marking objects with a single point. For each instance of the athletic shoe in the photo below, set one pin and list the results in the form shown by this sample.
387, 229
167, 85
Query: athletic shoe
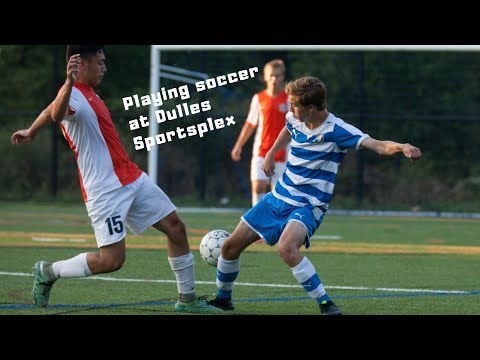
43, 280
224, 304
329, 308
200, 305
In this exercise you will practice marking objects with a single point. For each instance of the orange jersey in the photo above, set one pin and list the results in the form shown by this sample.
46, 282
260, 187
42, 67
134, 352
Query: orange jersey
267, 114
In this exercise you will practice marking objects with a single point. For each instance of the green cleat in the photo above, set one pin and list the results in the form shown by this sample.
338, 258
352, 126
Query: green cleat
197, 306
43, 280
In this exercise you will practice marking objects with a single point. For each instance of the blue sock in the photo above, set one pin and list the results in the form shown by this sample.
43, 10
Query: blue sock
223, 294
323, 299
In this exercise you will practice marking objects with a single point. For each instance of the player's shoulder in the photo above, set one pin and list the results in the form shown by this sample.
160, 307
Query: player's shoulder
331, 118
76, 93
260, 94
77, 99
256, 97
340, 123
290, 117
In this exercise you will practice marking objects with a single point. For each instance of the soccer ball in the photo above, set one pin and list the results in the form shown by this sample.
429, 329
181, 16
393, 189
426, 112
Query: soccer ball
211, 246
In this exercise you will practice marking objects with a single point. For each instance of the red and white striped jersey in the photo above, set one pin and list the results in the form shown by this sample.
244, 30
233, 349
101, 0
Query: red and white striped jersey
267, 113
103, 164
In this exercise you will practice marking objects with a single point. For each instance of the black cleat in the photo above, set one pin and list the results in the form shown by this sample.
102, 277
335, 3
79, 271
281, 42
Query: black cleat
329, 308
224, 304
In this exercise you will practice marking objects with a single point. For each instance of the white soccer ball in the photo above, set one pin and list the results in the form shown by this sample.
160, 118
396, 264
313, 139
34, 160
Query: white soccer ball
211, 246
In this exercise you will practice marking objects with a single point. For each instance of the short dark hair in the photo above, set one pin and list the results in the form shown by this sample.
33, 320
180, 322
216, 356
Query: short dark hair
85, 51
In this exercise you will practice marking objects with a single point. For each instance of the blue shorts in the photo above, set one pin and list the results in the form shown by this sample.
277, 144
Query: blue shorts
270, 216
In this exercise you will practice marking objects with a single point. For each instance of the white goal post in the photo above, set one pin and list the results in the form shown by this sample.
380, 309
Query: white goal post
155, 69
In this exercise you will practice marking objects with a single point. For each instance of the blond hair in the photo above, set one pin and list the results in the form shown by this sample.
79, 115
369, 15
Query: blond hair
275, 64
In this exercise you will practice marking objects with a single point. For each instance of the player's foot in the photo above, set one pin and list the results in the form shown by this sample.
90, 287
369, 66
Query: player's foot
329, 308
43, 280
200, 305
224, 304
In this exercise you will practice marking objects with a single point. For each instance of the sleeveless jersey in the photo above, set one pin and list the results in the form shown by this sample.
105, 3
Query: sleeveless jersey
267, 114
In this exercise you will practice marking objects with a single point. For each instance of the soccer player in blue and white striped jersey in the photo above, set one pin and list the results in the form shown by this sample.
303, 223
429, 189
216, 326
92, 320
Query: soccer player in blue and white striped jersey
293, 211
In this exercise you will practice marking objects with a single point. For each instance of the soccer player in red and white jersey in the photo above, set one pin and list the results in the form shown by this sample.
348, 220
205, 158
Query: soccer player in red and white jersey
116, 192
266, 118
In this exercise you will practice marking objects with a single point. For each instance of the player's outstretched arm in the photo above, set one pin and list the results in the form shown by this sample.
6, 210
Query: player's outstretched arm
387, 147
27, 135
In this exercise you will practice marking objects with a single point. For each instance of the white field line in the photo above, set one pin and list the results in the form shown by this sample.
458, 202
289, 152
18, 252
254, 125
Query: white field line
50, 239
327, 237
259, 285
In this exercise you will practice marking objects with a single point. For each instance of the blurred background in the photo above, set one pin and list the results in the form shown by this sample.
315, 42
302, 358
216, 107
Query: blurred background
428, 98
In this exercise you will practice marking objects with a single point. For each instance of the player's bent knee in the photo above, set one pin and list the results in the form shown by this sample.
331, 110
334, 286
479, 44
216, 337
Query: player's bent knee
287, 254
115, 264
112, 263
230, 251
176, 232
174, 224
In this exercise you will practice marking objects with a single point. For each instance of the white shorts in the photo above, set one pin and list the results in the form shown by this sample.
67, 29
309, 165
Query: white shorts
257, 173
137, 205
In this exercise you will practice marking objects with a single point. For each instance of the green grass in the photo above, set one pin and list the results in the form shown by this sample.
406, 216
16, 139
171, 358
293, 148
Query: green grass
375, 266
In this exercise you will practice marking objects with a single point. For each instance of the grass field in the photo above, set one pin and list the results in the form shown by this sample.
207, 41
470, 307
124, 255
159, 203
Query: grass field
369, 266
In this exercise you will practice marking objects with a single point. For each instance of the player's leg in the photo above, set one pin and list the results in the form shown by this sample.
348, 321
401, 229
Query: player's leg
300, 227
152, 207
107, 213
259, 188
259, 181
228, 266
261, 221
109, 258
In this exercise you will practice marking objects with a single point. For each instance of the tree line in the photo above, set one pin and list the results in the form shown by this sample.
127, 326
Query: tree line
427, 98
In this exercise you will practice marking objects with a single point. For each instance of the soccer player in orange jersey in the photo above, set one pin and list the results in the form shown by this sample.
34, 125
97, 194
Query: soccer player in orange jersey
266, 118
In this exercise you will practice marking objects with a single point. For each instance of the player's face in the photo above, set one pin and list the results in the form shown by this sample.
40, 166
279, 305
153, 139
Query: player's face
302, 113
95, 69
274, 78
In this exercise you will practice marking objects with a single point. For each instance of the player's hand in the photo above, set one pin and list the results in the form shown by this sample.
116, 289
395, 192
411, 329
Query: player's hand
268, 167
236, 152
73, 67
411, 152
22, 137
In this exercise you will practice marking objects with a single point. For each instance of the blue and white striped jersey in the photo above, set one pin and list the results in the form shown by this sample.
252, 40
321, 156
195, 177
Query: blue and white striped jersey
313, 160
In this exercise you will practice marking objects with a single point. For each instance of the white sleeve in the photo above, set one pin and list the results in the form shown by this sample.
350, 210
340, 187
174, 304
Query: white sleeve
253, 116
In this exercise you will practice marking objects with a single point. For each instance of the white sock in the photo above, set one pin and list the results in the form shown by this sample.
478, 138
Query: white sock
75, 267
307, 276
227, 273
183, 268
256, 198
